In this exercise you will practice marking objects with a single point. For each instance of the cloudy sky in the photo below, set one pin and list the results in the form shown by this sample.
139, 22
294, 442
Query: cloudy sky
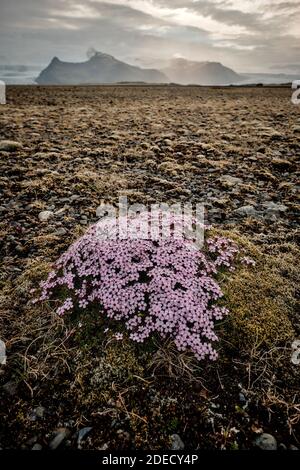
248, 35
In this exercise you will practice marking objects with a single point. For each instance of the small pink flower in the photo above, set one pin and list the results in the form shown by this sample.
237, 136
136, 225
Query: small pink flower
118, 336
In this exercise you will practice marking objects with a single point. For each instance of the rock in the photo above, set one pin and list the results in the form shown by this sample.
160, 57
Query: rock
270, 132
246, 211
75, 197
282, 446
292, 447
60, 232
10, 388
124, 436
37, 447
265, 442
64, 200
214, 406
45, 215
242, 398
47, 155
19, 249
281, 164
37, 413
3, 356
176, 442
273, 208
10, 145
82, 433
275, 135
230, 180
42, 171
60, 211
104, 446
61, 435
32, 441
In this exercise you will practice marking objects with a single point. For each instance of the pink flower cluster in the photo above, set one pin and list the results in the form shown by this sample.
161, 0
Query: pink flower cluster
163, 287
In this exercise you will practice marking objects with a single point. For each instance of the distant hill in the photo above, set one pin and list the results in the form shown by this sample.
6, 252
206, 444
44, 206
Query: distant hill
101, 68
201, 73
268, 78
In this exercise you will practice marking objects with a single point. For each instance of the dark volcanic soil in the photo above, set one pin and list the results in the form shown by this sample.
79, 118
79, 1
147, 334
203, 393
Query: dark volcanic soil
156, 144
236, 150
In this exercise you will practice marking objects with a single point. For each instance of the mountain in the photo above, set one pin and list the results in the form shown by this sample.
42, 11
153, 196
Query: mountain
201, 73
268, 78
100, 68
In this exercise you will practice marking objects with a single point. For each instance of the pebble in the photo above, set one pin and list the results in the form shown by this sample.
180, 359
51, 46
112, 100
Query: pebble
281, 164
104, 446
61, 435
10, 388
42, 171
242, 398
273, 207
61, 211
75, 197
230, 180
39, 411
32, 440
10, 145
282, 446
176, 442
82, 433
37, 447
265, 442
246, 211
60, 232
45, 215
47, 155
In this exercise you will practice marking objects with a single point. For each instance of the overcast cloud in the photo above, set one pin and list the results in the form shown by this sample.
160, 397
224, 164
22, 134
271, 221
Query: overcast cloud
247, 35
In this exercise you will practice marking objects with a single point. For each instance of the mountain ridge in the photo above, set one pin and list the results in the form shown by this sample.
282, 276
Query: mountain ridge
201, 73
100, 68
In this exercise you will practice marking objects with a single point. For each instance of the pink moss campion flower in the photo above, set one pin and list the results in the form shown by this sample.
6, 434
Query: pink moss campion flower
163, 286
248, 261
118, 336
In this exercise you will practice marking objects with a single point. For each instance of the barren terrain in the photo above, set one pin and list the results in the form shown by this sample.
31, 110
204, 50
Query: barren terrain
236, 150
